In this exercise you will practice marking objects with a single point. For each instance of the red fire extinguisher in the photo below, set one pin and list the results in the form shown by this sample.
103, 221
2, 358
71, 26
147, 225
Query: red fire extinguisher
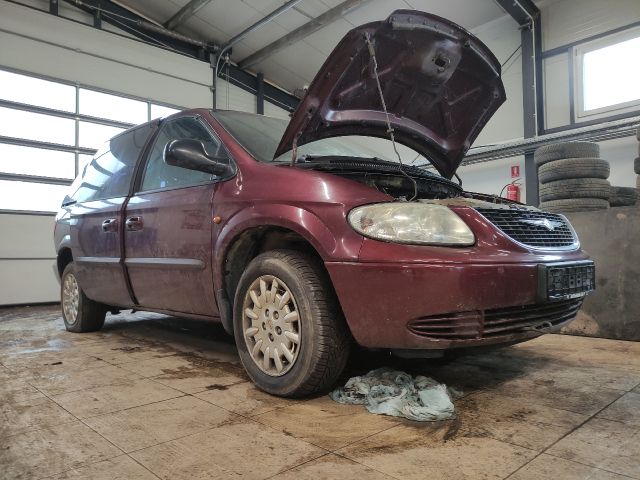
513, 191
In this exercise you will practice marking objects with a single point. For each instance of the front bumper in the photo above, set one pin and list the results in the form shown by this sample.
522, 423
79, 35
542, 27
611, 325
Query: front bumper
438, 306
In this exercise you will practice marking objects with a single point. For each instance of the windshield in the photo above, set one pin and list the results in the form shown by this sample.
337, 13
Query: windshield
261, 135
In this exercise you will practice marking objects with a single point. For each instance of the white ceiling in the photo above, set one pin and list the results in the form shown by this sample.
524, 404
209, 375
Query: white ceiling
295, 66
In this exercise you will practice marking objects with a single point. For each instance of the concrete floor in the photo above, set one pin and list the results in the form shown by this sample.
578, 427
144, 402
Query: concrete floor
154, 397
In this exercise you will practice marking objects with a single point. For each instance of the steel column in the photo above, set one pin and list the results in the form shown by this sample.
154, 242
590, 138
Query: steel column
260, 93
527, 15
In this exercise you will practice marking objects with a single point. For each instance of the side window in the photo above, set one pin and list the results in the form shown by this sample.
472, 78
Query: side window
159, 175
110, 172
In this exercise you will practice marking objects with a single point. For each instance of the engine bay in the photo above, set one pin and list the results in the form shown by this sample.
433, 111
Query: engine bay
387, 177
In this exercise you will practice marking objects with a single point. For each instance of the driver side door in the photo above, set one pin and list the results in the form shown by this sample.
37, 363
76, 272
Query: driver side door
168, 228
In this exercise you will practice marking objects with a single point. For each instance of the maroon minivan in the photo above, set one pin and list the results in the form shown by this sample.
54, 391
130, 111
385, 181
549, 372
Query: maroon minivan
302, 237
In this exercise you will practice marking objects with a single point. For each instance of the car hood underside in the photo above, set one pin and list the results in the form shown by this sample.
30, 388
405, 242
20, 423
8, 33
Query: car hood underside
440, 84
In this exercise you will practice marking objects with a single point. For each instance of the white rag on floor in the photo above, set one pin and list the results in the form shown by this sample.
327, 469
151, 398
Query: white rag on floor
391, 392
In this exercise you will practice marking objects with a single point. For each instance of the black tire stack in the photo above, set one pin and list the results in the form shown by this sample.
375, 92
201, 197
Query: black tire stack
573, 177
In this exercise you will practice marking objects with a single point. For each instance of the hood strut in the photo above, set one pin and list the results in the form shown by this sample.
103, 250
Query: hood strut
372, 53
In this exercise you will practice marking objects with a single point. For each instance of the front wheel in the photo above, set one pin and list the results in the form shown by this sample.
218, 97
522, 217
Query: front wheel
80, 313
289, 329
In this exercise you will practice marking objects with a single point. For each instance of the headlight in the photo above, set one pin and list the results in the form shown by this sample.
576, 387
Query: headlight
416, 223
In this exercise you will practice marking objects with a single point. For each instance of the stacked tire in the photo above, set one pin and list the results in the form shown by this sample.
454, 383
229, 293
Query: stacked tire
573, 177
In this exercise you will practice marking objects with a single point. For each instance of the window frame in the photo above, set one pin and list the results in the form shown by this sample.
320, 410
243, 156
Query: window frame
577, 53
136, 164
74, 115
144, 160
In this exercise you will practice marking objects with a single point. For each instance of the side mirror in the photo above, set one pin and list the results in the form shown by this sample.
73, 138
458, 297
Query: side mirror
191, 154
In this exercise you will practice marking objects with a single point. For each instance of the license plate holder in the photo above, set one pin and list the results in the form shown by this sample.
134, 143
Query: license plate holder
566, 280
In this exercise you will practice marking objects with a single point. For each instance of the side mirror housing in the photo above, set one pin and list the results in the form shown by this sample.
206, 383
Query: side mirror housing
191, 154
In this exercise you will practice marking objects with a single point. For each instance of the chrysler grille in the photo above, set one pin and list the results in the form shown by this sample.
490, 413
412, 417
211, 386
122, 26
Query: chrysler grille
532, 228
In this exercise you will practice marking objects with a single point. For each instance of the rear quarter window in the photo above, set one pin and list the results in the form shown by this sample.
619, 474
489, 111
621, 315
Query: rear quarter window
110, 172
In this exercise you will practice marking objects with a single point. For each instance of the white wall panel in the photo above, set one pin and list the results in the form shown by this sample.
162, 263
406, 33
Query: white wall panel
490, 177
620, 154
26, 236
270, 110
25, 282
26, 259
556, 91
503, 37
231, 97
568, 21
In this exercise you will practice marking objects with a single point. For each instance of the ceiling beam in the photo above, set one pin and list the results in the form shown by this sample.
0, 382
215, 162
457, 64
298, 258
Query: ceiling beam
185, 13
264, 20
301, 32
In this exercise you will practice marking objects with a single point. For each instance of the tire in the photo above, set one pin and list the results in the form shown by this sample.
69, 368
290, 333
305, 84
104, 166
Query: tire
636, 165
82, 314
574, 205
623, 196
573, 168
324, 341
558, 151
575, 188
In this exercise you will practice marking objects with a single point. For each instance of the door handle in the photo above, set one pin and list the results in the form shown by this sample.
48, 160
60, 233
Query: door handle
110, 225
133, 223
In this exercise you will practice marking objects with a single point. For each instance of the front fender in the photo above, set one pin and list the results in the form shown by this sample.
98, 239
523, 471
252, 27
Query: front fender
337, 244
295, 218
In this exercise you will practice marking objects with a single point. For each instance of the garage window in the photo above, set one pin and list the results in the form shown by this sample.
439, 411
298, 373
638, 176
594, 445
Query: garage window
112, 107
38, 92
607, 72
50, 130
20, 160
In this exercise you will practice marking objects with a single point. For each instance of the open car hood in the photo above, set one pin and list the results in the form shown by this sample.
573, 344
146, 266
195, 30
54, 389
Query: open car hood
441, 86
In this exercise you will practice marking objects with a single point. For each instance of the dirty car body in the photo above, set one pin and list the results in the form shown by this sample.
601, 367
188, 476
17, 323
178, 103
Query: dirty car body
406, 259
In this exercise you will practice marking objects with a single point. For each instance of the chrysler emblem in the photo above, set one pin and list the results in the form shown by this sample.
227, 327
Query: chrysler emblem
550, 225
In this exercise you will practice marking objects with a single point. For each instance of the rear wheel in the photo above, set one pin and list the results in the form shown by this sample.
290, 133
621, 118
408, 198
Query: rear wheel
80, 313
289, 329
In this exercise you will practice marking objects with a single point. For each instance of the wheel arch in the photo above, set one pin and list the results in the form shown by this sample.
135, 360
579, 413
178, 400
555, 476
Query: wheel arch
249, 234
64, 258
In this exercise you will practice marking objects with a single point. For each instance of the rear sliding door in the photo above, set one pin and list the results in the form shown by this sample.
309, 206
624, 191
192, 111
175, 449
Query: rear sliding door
97, 217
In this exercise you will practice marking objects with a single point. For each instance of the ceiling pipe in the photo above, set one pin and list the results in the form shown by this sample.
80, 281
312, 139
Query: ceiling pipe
215, 58
299, 33
144, 23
